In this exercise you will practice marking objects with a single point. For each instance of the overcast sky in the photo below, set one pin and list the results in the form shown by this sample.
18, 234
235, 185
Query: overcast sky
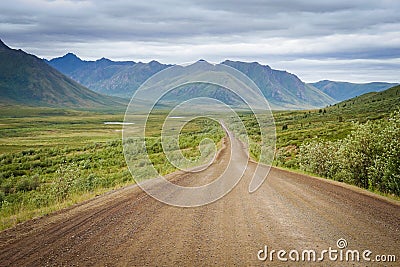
348, 40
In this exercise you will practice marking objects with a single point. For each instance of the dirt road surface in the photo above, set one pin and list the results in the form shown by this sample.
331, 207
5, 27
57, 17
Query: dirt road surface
289, 212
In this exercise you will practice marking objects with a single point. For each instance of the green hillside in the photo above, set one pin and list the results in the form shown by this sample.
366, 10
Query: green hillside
27, 80
369, 155
373, 105
336, 121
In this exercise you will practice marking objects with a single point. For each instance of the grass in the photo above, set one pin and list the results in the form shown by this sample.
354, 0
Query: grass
329, 124
299, 171
333, 123
25, 213
51, 159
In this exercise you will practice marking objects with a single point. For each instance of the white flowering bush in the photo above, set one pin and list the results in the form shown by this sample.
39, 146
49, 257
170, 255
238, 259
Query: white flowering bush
385, 170
320, 157
369, 157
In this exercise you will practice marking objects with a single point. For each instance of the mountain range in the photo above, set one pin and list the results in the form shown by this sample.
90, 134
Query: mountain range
344, 90
282, 89
117, 78
121, 78
68, 81
26, 79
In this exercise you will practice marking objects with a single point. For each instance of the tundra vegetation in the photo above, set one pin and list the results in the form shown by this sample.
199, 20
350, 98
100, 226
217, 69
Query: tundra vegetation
52, 158
356, 141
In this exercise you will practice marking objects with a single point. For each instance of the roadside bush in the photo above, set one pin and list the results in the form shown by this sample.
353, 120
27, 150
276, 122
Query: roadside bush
320, 158
286, 157
27, 183
65, 181
385, 169
369, 157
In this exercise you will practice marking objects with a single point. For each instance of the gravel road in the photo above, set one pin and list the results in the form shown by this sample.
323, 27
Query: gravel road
290, 211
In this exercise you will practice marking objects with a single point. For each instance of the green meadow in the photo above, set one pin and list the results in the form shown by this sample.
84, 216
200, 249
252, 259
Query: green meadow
52, 158
356, 141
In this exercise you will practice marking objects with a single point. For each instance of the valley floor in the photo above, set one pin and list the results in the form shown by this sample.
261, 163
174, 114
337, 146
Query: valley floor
289, 211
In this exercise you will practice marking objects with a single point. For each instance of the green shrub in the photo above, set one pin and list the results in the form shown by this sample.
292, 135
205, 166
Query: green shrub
369, 157
27, 183
65, 181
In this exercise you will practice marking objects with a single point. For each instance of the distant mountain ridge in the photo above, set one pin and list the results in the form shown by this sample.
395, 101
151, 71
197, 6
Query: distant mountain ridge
25, 79
341, 91
117, 78
282, 89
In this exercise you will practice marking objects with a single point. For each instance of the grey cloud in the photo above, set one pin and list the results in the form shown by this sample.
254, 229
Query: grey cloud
164, 20
343, 70
168, 29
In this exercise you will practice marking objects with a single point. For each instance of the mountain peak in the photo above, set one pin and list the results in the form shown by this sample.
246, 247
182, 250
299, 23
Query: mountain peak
70, 55
154, 62
29, 80
201, 64
3, 45
67, 63
103, 59
239, 64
